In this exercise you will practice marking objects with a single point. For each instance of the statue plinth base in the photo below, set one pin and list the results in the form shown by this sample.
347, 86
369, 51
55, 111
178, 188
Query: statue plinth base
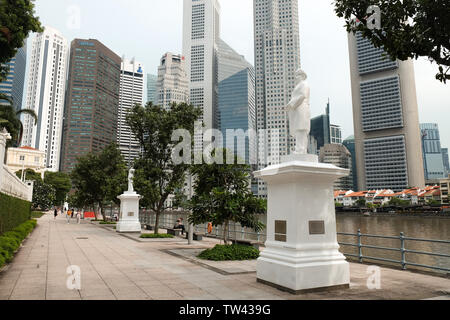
129, 213
302, 252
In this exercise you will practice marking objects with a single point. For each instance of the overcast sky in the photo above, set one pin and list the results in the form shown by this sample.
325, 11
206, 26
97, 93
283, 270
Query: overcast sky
146, 29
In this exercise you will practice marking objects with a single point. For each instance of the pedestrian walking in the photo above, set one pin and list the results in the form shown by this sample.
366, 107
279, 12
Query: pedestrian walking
56, 213
68, 216
78, 217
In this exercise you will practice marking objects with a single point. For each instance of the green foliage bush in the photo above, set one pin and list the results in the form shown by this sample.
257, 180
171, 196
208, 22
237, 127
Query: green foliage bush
10, 241
13, 212
235, 252
156, 236
108, 222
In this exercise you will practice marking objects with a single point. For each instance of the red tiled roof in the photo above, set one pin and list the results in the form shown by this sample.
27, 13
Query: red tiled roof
28, 148
356, 194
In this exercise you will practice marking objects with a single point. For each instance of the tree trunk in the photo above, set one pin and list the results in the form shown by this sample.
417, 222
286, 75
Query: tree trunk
157, 221
225, 232
102, 212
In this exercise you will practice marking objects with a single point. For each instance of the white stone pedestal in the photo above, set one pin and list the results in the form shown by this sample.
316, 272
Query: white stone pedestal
129, 213
301, 251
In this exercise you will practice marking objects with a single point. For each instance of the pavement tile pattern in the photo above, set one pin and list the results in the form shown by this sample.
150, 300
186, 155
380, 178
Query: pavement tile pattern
114, 267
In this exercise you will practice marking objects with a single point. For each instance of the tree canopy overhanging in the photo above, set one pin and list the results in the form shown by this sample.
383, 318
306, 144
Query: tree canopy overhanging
409, 28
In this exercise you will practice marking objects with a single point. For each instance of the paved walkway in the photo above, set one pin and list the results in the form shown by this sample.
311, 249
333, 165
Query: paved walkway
117, 267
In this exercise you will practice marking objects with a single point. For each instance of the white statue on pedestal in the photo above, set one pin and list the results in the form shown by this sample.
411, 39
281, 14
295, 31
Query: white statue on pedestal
299, 112
129, 208
130, 180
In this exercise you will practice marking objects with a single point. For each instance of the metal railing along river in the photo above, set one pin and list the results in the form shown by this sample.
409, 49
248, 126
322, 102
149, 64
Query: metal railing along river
401, 249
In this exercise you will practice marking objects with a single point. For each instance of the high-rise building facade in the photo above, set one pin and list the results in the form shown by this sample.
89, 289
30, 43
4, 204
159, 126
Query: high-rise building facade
336, 134
349, 143
14, 84
151, 88
237, 102
432, 152
277, 58
201, 32
445, 160
131, 93
339, 156
46, 89
386, 121
173, 84
321, 129
92, 101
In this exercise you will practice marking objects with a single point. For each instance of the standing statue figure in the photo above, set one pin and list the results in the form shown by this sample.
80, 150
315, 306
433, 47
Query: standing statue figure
299, 112
130, 180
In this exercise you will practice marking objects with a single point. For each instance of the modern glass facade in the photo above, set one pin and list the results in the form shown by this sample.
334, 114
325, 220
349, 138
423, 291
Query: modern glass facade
432, 152
336, 134
320, 129
15, 81
91, 112
445, 160
386, 165
237, 109
349, 143
152, 81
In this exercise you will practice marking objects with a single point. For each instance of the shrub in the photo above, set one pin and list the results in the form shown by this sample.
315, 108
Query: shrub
13, 212
10, 241
235, 252
156, 236
108, 222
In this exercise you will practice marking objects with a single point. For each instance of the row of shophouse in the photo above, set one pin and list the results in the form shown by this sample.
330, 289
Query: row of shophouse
415, 196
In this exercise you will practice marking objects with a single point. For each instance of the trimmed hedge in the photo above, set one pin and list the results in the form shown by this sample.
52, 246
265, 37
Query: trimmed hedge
10, 241
235, 252
13, 212
156, 236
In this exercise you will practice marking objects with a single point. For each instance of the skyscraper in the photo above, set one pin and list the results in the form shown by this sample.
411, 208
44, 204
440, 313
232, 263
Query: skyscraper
151, 88
321, 128
46, 87
201, 31
237, 101
14, 84
336, 134
92, 101
445, 160
386, 121
277, 57
349, 143
432, 152
173, 84
339, 156
131, 93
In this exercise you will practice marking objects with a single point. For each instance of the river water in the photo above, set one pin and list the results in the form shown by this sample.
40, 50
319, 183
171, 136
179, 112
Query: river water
436, 228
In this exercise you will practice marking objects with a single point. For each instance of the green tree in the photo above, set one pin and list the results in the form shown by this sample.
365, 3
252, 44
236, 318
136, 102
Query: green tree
10, 120
100, 178
29, 174
61, 183
396, 202
409, 28
361, 202
17, 20
157, 176
222, 195
44, 195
